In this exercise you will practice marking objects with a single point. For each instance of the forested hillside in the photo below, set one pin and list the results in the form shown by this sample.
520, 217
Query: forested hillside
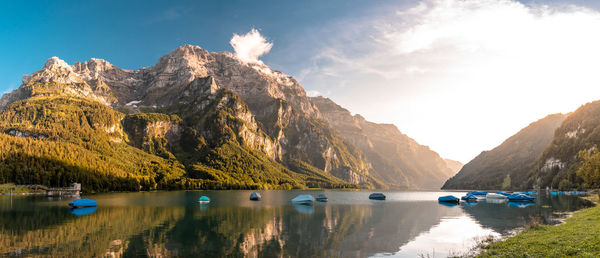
560, 165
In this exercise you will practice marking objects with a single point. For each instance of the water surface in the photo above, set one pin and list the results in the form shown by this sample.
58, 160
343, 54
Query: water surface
407, 224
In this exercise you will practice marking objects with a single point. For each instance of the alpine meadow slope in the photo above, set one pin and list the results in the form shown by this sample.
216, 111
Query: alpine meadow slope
196, 119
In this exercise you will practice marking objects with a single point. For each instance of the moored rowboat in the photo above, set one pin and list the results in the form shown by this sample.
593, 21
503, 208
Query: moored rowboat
303, 199
254, 196
448, 198
83, 203
377, 196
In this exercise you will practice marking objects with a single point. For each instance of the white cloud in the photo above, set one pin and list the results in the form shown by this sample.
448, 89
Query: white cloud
250, 46
462, 76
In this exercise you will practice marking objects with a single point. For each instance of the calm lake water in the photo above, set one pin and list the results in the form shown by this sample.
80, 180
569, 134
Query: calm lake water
407, 224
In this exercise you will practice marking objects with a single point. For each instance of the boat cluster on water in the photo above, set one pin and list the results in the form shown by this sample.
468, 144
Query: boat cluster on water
86, 206
579, 193
477, 195
300, 199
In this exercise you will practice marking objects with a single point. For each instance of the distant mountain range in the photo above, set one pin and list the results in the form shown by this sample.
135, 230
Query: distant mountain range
197, 119
544, 154
513, 161
397, 159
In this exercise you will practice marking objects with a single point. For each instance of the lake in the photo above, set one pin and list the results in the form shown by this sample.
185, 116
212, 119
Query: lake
407, 224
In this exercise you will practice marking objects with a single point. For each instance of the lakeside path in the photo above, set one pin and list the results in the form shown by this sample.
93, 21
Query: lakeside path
579, 236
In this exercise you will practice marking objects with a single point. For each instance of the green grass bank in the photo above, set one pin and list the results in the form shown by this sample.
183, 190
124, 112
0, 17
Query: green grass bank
579, 236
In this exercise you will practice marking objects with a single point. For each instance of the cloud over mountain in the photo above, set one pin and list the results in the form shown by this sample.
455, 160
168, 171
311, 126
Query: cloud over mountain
250, 46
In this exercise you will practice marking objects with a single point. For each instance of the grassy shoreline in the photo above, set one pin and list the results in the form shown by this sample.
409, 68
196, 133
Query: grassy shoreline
579, 236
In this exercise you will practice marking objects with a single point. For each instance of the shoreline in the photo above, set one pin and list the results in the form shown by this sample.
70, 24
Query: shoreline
577, 234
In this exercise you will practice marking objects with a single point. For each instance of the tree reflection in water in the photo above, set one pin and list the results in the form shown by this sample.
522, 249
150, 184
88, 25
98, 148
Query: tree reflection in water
173, 224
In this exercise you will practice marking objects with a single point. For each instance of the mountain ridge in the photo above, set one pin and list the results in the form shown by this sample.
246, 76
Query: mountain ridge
393, 154
221, 104
511, 164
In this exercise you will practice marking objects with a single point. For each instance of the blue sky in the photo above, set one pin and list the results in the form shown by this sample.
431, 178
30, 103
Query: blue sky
458, 76
133, 34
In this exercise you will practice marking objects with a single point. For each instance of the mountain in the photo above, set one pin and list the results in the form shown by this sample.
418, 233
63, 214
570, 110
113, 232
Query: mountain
397, 159
559, 163
453, 165
511, 164
195, 119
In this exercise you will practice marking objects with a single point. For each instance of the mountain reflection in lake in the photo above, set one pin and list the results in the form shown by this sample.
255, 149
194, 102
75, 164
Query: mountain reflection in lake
407, 224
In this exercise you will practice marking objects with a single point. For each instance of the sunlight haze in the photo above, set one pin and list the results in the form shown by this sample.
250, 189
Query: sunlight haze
462, 76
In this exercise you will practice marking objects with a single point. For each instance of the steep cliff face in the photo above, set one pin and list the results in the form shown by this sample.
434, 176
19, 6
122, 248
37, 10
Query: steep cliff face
284, 120
397, 159
256, 130
154, 133
511, 164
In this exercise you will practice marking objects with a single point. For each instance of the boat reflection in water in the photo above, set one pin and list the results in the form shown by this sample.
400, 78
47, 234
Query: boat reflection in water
174, 224
82, 211
470, 204
521, 204
448, 204
303, 208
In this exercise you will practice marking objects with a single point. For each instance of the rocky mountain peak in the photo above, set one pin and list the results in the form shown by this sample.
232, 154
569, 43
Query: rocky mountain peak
93, 69
56, 64
54, 70
186, 56
188, 50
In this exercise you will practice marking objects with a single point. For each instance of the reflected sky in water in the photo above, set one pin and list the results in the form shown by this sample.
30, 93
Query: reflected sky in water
407, 224
451, 236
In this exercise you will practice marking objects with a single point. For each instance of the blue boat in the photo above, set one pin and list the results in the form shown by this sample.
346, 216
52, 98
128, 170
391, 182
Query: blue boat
304, 199
255, 196
478, 193
520, 198
525, 193
83, 211
503, 193
469, 198
204, 199
520, 204
448, 198
83, 203
377, 196
321, 198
